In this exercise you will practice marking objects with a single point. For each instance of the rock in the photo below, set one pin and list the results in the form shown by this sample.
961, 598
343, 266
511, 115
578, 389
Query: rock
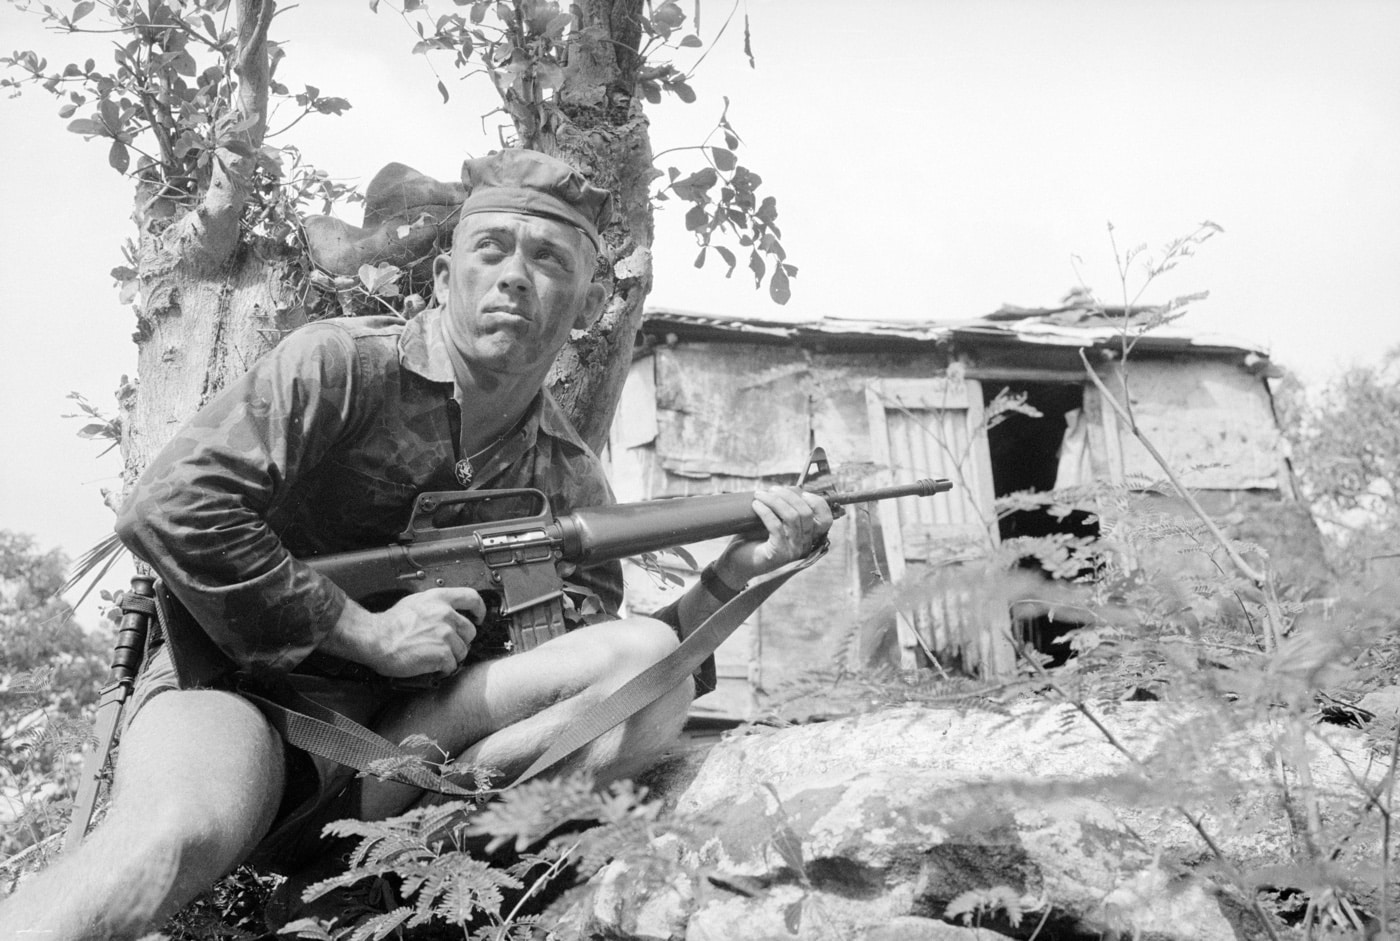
897, 821
912, 928
1383, 702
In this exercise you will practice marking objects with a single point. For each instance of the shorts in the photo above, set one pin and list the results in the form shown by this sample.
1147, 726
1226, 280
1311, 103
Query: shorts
315, 790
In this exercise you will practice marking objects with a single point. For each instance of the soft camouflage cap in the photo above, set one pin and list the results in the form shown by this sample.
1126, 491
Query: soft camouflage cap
534, 184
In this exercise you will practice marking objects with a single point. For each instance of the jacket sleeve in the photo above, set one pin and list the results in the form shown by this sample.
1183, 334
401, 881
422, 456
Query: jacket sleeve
199, 513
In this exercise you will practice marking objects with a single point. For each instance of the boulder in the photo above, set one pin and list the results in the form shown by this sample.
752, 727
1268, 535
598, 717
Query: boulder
1383, 702
893, 824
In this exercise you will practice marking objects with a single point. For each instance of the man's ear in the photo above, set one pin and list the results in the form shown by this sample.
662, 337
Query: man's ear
442, 274
592, 306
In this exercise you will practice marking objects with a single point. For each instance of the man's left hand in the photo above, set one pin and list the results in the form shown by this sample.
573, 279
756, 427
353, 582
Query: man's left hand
796, 521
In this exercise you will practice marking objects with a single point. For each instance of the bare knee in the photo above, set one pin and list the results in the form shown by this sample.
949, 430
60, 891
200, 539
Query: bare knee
627, 647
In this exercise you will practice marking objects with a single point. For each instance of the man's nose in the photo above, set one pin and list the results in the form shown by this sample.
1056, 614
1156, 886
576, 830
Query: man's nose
514, 276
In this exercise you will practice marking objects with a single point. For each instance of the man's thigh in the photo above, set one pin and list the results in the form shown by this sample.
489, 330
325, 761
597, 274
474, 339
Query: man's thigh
204, 765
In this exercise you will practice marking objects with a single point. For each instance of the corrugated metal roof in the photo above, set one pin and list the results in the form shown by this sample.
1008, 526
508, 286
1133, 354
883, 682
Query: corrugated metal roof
1073, 326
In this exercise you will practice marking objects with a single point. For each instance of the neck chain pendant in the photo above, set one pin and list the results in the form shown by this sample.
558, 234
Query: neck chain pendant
464, 471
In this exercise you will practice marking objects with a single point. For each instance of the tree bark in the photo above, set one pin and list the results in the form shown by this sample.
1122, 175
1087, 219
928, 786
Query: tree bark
602, 130
210, 296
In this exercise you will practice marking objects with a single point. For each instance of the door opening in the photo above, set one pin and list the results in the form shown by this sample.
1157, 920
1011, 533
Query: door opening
1025, 454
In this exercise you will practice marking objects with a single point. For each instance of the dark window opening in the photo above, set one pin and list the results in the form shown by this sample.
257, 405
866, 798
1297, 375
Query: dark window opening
1025, 456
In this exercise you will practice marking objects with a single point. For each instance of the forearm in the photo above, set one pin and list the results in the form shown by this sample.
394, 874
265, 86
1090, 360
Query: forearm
353, 636
715, 588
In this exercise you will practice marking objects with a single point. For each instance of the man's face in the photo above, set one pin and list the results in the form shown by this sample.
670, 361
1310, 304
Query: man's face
514, 286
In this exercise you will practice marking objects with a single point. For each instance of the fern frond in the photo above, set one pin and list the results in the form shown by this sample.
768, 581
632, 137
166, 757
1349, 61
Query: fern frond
381, 926
100, 559
528, 813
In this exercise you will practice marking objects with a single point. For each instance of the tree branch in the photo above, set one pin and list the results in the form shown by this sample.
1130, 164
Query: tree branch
213, 229
1274, 618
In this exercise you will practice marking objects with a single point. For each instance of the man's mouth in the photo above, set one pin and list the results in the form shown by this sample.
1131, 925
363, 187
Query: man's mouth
516, 312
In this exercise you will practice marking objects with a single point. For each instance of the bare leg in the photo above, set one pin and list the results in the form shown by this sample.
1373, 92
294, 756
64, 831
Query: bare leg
502, 714
198, 782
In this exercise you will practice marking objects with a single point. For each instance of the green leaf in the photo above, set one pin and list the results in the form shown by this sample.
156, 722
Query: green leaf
332, 105
82, 10
699, 259
691, 42
549, 75
778, 287
442, 90
118, 157
556, 26
792, 917
748, 42
696, 219
745, 180
789, 846
728, 257
87, 127
695, 186
724, 159
683, 91
111, 116
757, 266
668, 17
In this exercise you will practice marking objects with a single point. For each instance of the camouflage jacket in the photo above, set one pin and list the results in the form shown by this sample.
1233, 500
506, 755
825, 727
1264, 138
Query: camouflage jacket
322, 447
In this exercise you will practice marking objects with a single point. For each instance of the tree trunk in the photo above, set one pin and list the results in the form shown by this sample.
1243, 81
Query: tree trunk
197, 329
600, 129
210, 295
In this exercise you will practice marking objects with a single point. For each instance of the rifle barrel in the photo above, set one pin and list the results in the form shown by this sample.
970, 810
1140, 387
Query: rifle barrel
926, 487
605, 533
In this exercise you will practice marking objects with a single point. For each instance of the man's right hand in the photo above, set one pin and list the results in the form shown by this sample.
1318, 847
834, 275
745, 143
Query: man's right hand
425, 632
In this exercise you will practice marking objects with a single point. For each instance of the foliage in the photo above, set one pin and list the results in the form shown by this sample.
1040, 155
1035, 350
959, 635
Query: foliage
50, 674
443, 865
1346, 452
975, 904
529, 50
171, 98
169, 95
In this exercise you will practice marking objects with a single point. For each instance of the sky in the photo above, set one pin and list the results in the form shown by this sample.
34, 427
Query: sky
931, 159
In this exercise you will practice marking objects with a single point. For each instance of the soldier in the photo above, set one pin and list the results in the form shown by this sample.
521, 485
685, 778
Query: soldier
321, 447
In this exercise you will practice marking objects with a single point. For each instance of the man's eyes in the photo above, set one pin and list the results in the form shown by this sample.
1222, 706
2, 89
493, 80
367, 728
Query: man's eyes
495, 247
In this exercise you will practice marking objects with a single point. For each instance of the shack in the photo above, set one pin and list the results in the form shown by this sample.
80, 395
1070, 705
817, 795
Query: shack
719, 404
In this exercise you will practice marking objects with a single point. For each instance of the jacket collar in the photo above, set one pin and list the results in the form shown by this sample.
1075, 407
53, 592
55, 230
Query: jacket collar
423, 350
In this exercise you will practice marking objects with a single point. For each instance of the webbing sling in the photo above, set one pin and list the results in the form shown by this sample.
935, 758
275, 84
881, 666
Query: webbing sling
312, 727
322, 731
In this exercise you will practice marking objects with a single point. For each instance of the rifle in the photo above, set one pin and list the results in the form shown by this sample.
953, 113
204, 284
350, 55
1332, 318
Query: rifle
512, 561
509, 554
